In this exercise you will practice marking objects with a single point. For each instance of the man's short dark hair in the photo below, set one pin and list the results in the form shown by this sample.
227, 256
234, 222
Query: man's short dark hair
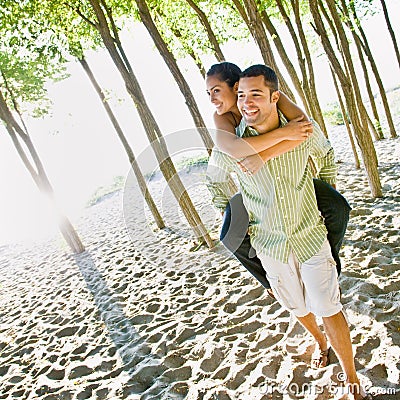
270, 78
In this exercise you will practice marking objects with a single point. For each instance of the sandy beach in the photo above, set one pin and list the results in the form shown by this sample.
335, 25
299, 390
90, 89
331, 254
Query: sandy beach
140, 315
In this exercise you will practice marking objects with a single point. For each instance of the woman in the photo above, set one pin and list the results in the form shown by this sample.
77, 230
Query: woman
222, 81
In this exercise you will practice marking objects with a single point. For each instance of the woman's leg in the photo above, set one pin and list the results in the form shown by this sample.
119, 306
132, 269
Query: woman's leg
235, 238
336, 210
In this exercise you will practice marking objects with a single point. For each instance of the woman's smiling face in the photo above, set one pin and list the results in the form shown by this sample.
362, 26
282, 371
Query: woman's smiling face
221, 95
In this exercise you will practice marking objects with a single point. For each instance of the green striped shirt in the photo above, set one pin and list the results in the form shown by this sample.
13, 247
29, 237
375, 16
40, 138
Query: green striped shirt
280, 197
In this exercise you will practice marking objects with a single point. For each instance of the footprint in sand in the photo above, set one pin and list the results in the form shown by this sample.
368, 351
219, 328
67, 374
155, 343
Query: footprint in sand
56, 374
222, 373
363, 353
271, 367
181, 374
174, 360
213, 362
142, 319
153, 307
78, 372
69, 331
180, 388
241, 375
269, 342
230, 308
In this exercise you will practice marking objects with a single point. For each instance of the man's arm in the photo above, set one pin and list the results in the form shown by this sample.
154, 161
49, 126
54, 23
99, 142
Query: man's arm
323, 156
289, 109
219, 168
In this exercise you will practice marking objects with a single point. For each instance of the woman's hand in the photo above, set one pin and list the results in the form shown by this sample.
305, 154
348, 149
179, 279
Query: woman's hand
297, 129
251, 164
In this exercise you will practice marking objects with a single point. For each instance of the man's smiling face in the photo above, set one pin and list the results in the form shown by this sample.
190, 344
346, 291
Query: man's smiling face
255, 102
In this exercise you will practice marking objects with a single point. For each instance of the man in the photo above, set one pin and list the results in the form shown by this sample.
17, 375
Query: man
286, 228
334, 209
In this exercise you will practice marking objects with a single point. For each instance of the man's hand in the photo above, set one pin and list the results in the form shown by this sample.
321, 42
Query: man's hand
251, 164
297, 129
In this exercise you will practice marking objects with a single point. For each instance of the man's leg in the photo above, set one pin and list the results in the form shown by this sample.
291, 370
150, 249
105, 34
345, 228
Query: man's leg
288, 289
336, 210
322, 298
338, 334
235, 238
310, 324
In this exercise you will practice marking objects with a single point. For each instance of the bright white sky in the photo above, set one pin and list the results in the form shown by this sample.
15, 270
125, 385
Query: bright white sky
79, 148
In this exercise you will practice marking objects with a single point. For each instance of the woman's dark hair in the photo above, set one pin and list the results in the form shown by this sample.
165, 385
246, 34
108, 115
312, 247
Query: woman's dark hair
226, 71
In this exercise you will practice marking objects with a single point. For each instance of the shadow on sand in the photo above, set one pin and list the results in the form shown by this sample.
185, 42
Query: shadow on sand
143, 367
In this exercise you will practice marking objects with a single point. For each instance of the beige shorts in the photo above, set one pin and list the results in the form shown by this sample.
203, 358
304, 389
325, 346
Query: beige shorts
306, 287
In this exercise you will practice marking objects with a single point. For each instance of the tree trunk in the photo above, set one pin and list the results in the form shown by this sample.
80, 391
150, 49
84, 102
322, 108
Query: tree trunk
382, 92
285, 59
348, 62
376, 123
38, 175
169, 59
310, 76
210, 33
131, 157
364, 139
390, 29
178, 34
346, 120
151, 127
252, 18
357, 41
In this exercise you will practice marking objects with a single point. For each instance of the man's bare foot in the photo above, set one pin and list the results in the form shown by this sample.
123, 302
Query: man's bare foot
361, 394
320, 358
352, 392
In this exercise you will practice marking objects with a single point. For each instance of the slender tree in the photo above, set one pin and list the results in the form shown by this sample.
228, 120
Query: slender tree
196, 28
348, 21
128, 149
38, 173
170, 60
160, 18
210, 33
251, 16
363, 138
391, 31
346, 120
367, 50
304, 58
367, 82
117, 54
25, 68
285, 59
332, 16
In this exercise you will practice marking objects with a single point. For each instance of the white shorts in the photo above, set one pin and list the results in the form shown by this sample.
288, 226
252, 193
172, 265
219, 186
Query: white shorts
306, 287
